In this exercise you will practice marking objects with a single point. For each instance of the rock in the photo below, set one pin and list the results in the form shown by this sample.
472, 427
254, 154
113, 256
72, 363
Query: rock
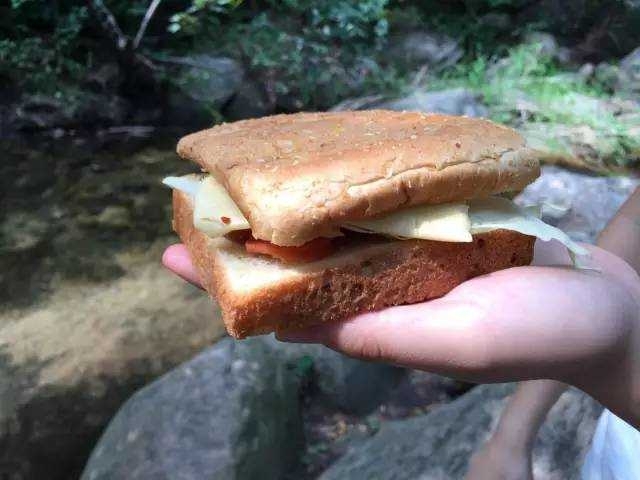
456, 101
496, 21
419, 391
358, 103
209, 80
68, 362
249, 102
607, 74
202, 85
420, 48
548, 46
230, 413
102, 109
583, 146
21, 231
345, 383
586, 71
209, 402
438, 445
561, 194
628, 79
114, 216
41, 112
352, 385
106, 78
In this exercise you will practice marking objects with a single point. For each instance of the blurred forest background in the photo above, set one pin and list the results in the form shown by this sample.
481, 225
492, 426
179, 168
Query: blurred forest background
551, 67
93, 97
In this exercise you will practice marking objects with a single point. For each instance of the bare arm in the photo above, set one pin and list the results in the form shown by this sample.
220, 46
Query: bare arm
508, 453
622, 234
526, 410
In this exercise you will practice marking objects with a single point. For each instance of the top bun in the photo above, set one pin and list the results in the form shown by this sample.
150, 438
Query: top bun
298, 177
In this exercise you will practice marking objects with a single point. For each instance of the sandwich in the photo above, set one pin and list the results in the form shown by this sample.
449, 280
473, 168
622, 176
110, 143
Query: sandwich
301, 219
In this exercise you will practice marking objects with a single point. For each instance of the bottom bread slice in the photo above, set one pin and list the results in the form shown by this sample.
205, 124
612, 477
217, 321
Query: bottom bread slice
259, 295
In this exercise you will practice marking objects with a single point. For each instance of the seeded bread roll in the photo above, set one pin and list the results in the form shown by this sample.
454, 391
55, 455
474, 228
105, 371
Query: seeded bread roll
298, 177
261, 295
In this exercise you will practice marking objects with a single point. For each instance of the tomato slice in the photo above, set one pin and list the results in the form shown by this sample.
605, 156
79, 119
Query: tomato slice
309, 252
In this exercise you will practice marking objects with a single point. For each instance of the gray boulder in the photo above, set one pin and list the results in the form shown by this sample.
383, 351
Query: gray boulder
234, 411
22, 231
231, 412
250, 101
495, 21
68, 362
42, 112
202, 84
345, 383
353, 385
455, 101
438, 445
425, 48
628, 81
210, 80
547, 46
564, 203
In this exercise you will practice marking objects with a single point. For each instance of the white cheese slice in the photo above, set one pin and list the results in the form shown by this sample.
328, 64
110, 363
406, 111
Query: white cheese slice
189, 184
495, 213
446, 223
215, 213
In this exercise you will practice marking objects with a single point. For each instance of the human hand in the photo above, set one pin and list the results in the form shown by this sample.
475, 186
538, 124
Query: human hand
544, 321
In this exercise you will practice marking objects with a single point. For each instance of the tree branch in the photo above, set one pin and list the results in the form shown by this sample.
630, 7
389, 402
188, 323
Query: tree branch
145, 22
109, 24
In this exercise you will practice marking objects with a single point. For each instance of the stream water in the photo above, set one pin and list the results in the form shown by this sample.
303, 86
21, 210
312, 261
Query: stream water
68, 205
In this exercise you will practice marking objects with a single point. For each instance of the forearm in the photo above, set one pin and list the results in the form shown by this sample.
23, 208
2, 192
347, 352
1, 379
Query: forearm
621, 236
526, 410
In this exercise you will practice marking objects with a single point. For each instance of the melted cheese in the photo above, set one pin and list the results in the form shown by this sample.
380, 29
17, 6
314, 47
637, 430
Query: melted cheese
495, 213
445, 223
216, 214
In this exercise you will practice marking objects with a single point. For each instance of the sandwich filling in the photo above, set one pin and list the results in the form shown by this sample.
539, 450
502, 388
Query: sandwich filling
217, 215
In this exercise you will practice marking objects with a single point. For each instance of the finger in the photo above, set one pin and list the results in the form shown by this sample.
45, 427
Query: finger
177, 259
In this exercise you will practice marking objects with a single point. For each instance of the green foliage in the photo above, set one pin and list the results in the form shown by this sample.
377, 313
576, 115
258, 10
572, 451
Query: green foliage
320, 59
199, 15
311, 54
38, 61
315, 52
346, 20
526, 86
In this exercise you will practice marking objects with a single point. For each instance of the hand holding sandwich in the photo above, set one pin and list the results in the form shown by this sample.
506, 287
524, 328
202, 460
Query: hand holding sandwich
304, 222
577, 326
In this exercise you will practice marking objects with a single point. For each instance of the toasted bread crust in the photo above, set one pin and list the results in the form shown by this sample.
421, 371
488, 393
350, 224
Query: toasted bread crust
296, 177
404, 272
